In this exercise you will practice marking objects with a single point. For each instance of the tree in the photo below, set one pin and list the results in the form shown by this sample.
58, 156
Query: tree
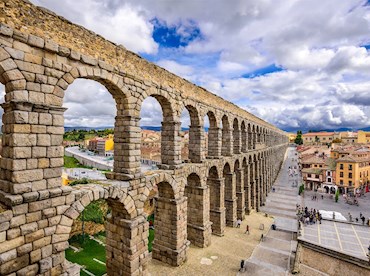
337, 195
298, 140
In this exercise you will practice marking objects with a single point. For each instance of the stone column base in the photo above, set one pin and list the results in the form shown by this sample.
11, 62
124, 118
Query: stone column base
171, 256
230, 205
240, 213
200, 235
218, 220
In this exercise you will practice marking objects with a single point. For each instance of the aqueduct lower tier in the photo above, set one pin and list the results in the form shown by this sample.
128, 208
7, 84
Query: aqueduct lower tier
41, 54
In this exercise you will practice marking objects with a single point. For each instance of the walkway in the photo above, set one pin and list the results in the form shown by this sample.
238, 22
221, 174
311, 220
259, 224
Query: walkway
274, 255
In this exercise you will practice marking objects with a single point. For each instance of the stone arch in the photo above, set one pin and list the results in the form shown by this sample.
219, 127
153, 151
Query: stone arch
170, 150
118, 226
198, 223
226, 136
236, 136
196, 133
126, 164
230, 195
158, 178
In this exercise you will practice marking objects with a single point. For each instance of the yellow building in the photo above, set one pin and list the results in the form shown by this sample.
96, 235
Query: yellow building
352, 169
363, 137
291, 137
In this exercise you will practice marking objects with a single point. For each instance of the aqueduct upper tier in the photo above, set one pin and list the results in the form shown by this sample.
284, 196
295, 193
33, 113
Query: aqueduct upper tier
41, 55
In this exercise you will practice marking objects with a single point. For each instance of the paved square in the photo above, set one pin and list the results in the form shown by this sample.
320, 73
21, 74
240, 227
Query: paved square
343, 237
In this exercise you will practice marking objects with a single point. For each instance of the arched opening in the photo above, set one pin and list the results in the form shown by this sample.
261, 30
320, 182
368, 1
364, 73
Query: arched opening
226, 137
213, 135
184, 135
254, 137
244, 142
198, 226
216, 199
192, 135
170, 239
230, 196
239, 190
206, 127
89, 123
159, 132
236, 136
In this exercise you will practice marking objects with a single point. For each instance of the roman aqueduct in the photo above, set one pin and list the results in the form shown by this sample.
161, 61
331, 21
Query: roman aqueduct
41, 54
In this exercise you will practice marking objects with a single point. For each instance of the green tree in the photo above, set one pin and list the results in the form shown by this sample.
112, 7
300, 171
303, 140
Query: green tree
337, 195
298, 140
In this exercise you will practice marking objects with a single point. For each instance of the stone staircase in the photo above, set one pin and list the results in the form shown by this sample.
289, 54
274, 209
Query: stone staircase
275, 255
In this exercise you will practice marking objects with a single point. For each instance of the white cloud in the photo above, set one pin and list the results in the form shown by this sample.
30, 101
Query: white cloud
325, 80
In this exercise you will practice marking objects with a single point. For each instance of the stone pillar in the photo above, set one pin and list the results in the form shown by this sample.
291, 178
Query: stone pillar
170, 145
230, 199
236, 141
214, 142
170, 244
198, 226
252, 182
127, 246
247, 190
196, 144
240, 194
32, 155
127, 155
250, 140
257, 185
254, 140
217, 205
227, 142
244, 140
263, 182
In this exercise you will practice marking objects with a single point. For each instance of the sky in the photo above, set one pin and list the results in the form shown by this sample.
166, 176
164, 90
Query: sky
298, 64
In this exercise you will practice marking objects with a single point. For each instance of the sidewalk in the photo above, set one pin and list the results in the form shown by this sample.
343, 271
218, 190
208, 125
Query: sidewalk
274, 255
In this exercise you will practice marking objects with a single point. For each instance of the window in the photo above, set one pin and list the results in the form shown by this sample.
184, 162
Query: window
341, 182
350, 167
309, 175
329, 173
320, 166
349, 175
341, 166
341, 174
360, 174
329, 179
350, 183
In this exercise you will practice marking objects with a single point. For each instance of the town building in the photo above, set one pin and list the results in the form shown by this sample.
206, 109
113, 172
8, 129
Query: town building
312, 138
102, 146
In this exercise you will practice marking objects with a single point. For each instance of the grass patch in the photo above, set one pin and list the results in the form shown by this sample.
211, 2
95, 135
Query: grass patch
91, 249
71, 162
151, 238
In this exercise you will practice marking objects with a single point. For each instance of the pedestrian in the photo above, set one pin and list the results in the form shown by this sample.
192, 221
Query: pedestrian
322, 196
247, 229
363, 220
350, 217
238, 222
262, 238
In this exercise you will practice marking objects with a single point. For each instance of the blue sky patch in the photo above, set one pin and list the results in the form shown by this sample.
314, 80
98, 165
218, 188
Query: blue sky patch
175, 36
272, 68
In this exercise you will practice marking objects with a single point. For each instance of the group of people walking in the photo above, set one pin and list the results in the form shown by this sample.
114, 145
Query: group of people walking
307, 217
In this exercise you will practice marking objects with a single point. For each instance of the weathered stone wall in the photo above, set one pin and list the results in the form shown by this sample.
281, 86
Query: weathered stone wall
41, 54
337, 264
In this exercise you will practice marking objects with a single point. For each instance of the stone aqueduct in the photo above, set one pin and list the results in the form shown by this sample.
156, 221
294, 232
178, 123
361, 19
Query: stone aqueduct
41, 54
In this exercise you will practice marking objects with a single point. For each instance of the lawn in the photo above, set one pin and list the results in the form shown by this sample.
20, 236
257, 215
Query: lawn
91, 250
71, 162
151, 238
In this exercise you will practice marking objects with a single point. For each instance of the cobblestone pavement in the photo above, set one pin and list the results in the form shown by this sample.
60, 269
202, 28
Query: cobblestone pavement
223, 256
274, 255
